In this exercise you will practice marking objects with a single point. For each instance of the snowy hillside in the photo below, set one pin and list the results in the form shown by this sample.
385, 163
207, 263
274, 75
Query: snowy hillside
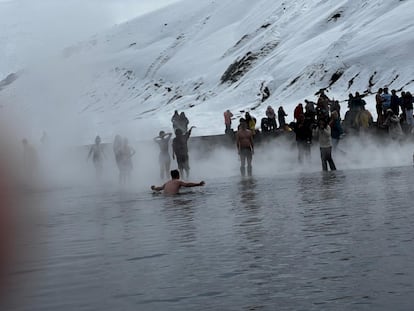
206, 56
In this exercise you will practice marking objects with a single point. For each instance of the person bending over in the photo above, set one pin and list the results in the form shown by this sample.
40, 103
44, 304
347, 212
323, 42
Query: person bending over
173, 186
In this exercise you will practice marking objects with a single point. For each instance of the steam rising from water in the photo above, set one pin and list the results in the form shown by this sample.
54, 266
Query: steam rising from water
67, 166
49, 103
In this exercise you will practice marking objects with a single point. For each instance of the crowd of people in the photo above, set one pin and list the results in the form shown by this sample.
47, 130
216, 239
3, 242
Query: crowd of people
320, 120
124, 153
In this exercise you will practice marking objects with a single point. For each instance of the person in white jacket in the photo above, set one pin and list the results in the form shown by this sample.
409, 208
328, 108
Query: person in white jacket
323, 131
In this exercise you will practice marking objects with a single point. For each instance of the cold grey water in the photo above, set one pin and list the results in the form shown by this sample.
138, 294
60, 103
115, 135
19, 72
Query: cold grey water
303, 241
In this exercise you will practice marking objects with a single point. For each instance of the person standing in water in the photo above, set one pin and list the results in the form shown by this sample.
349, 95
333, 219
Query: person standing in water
303, 133
173, 186
127, 152
244, 142
183, 122
163, 140
97, 154
117, 148
324, 133
175, 120
44, 139
180, 150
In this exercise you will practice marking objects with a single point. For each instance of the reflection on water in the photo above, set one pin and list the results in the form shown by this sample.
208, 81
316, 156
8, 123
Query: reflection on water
247, 191
179, 216
323, 241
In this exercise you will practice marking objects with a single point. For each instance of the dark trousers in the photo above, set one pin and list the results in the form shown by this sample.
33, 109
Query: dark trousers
246, 154
304, 150
326, 157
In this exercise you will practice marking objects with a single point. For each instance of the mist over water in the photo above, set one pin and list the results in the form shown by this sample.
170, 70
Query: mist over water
291, 237
67, 164
299, 240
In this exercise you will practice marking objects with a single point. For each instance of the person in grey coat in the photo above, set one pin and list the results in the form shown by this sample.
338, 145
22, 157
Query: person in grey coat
323, 131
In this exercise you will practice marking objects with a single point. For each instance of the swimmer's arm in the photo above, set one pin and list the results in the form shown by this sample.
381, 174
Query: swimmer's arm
155, 188
192, 184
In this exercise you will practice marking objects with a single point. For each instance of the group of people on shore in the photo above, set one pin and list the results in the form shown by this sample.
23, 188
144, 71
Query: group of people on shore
395, 112
180, 121
319, 120
322, 120
268, 124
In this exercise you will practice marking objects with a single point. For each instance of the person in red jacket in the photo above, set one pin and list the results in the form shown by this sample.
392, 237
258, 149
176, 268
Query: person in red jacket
298, 112
227, 120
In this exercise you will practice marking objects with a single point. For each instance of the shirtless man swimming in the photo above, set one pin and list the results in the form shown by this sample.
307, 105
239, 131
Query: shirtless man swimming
244, 141
173, 186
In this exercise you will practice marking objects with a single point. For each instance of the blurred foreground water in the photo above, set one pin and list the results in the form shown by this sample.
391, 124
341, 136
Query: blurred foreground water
306, 241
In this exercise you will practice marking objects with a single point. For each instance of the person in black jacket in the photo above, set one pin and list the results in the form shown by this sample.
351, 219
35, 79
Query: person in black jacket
303, 132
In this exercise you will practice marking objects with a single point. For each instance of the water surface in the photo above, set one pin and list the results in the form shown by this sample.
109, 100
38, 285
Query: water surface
308, 241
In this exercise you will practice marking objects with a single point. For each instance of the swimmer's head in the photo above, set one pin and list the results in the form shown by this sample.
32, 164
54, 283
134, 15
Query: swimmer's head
24, 142
175, 174
162, 133
178, 132
97, 140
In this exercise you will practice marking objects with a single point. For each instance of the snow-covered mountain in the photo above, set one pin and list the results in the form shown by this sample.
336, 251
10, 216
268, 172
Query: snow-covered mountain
206, 56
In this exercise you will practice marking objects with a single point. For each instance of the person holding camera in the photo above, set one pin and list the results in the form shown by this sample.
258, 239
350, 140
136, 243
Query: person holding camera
323, 131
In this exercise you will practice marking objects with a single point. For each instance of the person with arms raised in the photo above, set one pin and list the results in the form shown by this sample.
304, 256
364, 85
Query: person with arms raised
164, 160
173, 186
180, 150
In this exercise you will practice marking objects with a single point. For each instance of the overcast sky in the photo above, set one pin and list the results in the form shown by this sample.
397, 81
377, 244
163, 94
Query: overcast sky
49, 25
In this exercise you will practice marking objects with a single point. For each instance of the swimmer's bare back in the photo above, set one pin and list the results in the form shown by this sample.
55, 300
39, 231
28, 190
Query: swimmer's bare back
173, 186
